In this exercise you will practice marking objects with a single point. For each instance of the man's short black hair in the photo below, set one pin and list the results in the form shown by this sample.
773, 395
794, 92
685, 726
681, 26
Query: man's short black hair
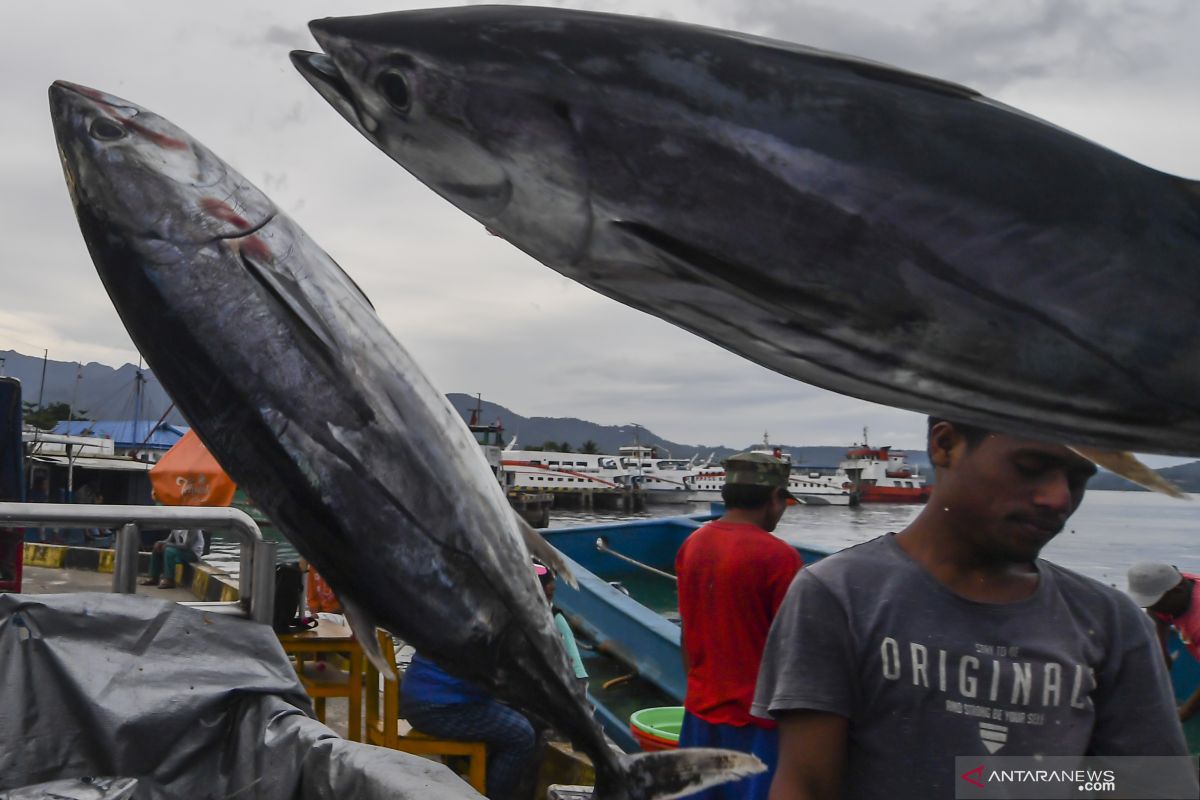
746, 496
972, 433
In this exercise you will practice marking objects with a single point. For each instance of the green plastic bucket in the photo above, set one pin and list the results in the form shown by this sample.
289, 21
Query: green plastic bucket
661, 723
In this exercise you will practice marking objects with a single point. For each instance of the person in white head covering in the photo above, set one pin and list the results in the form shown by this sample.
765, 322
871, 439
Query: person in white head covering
1172, 598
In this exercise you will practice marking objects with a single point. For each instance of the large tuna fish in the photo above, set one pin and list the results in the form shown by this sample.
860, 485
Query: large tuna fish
883, 234
297, 388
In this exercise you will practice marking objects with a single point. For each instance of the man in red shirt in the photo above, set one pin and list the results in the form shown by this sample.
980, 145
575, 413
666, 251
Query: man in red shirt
733, 575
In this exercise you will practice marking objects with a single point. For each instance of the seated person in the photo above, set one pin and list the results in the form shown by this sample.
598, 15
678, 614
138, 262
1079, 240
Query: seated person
1171, 598
181, 547
438, 704
546, 578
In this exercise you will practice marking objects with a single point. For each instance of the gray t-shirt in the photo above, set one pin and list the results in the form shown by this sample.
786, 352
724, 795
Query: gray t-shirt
925, 675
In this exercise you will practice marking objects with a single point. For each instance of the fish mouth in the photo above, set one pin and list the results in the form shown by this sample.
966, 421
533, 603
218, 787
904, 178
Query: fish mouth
70, 99
324, 76
69, 103
61, 90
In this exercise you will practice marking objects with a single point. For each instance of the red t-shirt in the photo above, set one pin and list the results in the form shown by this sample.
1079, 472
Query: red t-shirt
732, 578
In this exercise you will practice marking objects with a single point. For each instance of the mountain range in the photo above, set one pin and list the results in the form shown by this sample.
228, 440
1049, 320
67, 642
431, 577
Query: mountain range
535, 431
103, 392
100, 392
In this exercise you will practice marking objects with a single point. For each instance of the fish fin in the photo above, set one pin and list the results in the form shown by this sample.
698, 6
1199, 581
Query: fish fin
354, 283
700, 265
542, 550
1127, 466
911, 80
287, 292
695, 265
363, 625
674, 773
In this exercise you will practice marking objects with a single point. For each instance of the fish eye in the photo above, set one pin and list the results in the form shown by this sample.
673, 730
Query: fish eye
394, 87
106, 130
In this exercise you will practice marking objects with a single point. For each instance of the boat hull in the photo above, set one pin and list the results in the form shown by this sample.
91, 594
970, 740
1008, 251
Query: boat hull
893, 494
669, 496
848, 499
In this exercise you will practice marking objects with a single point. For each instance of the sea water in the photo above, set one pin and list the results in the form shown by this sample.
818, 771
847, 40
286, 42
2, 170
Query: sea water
1109, 532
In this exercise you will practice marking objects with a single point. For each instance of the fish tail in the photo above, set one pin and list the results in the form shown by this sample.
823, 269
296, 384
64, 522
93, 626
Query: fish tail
666, 774
1130, 468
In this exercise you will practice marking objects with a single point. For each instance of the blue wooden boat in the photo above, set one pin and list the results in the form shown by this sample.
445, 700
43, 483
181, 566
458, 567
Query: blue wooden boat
636, 631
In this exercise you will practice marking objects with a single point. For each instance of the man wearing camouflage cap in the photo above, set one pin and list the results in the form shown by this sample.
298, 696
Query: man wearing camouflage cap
733, 574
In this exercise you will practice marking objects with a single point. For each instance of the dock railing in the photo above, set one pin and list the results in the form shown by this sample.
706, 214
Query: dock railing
256, 578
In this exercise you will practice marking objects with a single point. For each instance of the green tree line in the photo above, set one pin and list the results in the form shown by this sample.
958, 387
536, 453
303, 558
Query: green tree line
46, 417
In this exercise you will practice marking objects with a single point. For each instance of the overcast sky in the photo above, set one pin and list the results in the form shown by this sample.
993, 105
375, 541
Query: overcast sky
477, 314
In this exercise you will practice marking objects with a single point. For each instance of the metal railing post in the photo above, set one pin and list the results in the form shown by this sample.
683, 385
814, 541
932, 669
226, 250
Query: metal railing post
246, 557
125, 559
262, 598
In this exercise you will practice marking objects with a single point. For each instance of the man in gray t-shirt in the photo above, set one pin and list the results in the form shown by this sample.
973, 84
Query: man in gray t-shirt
952, 638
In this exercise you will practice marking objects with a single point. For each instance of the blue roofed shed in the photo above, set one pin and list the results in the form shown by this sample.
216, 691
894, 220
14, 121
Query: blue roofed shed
127, 435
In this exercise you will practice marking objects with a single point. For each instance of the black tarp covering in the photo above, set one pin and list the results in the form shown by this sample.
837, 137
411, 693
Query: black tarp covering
191, 703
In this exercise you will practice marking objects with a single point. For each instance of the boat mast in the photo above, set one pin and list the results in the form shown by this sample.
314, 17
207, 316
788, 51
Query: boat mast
478, 410
71, 418
138, 379
42, 389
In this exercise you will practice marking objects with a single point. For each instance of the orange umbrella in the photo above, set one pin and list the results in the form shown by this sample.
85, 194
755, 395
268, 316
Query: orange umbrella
188, 475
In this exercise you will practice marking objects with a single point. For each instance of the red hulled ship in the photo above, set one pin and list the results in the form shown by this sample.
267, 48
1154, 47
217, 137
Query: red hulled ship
883, 476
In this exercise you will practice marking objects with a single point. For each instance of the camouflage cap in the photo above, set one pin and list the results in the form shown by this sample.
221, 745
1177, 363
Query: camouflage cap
757, 469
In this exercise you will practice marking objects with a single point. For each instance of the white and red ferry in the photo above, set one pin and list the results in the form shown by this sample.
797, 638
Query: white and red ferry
883, 476
661, 479
548, 471
807, 486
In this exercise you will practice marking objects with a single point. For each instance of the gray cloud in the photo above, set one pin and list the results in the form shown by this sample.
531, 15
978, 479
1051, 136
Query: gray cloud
983, 44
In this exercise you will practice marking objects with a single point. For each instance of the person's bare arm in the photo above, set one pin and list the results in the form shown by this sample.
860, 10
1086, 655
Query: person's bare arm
812, 756
1189, 707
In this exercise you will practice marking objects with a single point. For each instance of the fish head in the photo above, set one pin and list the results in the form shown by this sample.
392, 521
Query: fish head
141, 180
444, 93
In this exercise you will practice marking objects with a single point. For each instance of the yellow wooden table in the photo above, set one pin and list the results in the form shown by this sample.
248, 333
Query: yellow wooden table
329, 638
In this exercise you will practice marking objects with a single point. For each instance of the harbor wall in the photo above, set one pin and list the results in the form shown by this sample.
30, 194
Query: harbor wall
205, 581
